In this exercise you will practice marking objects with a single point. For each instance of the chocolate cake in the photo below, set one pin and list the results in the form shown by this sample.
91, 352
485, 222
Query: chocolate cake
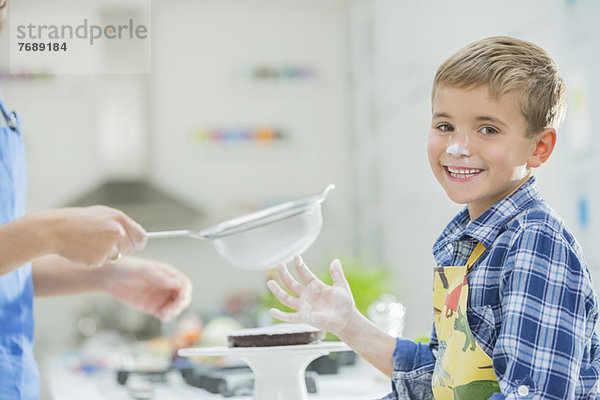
275, 335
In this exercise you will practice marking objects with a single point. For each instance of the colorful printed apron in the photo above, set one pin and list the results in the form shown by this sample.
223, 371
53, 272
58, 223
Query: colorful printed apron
462, 369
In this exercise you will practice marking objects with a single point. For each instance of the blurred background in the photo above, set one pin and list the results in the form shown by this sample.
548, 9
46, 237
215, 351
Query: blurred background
254, 102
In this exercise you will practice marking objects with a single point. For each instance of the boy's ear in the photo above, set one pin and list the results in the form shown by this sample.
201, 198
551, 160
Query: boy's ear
544, 146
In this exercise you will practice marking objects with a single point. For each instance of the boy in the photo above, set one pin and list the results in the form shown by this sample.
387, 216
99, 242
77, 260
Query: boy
514, 305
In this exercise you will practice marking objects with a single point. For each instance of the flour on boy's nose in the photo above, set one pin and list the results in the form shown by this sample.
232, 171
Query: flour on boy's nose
457, 149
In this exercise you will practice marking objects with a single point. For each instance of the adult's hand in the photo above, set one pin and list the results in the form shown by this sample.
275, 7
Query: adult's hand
151, 286
90, 235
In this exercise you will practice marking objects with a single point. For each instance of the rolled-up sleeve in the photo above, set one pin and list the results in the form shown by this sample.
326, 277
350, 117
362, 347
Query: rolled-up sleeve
413, 370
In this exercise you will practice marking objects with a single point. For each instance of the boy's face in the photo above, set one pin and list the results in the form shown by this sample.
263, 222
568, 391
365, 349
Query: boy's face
477, 146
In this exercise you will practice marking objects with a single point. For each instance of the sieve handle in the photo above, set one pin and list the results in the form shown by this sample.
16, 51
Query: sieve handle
171, 234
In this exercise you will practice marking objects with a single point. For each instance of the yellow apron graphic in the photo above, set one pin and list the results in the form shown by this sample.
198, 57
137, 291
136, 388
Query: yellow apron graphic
462, 369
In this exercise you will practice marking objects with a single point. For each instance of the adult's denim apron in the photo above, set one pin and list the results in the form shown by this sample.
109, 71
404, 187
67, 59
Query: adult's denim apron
18, 369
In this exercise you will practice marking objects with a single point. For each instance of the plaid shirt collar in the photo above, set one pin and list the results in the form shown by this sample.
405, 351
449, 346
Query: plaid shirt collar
489, 225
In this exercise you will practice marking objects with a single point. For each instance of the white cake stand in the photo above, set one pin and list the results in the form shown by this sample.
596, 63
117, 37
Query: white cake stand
278, 370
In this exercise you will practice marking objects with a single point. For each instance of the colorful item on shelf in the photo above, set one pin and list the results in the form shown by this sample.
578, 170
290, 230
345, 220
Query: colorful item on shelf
6, 75
282, 72
229, 135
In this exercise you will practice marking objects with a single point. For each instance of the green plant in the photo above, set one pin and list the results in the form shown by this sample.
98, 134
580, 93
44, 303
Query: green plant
422, 338
367, 282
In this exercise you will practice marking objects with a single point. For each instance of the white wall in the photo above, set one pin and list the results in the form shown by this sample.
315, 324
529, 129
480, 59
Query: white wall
199, 81
201, 52
580, 162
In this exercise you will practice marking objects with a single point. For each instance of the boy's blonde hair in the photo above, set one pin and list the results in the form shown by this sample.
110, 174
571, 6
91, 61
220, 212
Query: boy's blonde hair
504, 65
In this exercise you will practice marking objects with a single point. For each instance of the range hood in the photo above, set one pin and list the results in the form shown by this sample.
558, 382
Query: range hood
145, 203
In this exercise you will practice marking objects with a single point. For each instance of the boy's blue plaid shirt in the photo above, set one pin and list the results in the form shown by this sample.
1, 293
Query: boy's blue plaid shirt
532, 306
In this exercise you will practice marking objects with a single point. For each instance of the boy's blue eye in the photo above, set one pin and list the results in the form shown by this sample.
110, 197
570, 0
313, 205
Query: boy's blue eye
488, 130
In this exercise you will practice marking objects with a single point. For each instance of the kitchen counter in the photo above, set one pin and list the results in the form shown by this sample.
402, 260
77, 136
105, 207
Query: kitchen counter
359, 381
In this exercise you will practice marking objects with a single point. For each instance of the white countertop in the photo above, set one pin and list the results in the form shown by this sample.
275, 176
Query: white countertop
360, 381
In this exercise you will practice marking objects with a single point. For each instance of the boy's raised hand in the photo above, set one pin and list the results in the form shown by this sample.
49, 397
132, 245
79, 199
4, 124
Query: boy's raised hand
331, 308
325, 307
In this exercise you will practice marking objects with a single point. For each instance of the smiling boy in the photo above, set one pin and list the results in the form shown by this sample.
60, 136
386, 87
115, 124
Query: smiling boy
479, 149
514, 305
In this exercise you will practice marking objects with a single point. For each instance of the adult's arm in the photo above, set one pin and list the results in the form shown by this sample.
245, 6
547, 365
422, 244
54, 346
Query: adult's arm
89, 236
150, 286
23, 240
54, 275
